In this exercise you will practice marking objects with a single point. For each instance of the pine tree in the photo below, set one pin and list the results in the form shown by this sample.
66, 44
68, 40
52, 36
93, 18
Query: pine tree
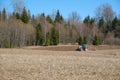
84, 40
92, 21
0, 16
87, 21
49, 19
4, 14
47, 39
117, 28
39, 38
80, 40
17, 15
24, 16
58, 17
114, 23
96, 40
101, 23
54, 37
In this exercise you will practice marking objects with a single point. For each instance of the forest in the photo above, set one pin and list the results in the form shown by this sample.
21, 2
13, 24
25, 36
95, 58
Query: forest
21, 28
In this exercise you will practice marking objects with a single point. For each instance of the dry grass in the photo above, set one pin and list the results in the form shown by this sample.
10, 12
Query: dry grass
25, 64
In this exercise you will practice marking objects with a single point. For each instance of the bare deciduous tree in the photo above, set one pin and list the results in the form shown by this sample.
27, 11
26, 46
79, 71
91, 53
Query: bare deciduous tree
18, 5
104, 11
74, 18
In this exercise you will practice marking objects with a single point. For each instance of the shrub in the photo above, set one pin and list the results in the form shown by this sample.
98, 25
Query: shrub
112, 41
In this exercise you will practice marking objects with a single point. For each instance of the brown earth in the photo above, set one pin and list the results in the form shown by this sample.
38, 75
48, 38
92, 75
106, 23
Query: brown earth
60, 63
72, 47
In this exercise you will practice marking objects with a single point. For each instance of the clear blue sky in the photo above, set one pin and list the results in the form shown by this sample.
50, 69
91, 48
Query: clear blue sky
82, 7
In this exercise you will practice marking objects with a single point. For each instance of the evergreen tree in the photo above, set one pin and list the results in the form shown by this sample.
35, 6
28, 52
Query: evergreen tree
96, 40
39, 38
117, 30
101, 24
87, 20
115, 23
49, 19
80, 40
47, 39
17, 15
43, 14
4, 14
0, 16
58, 17
24, 16
61, 18
54, 37
84, 40
92, 21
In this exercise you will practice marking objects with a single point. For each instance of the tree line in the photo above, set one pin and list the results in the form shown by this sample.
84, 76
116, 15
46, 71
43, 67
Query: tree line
23, 29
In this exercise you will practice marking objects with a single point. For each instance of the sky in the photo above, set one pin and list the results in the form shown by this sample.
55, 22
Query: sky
82, 7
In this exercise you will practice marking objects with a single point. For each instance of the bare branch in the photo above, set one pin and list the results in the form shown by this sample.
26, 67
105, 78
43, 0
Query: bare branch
18, 5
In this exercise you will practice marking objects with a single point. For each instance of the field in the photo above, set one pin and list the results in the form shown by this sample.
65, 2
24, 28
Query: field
60, 63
